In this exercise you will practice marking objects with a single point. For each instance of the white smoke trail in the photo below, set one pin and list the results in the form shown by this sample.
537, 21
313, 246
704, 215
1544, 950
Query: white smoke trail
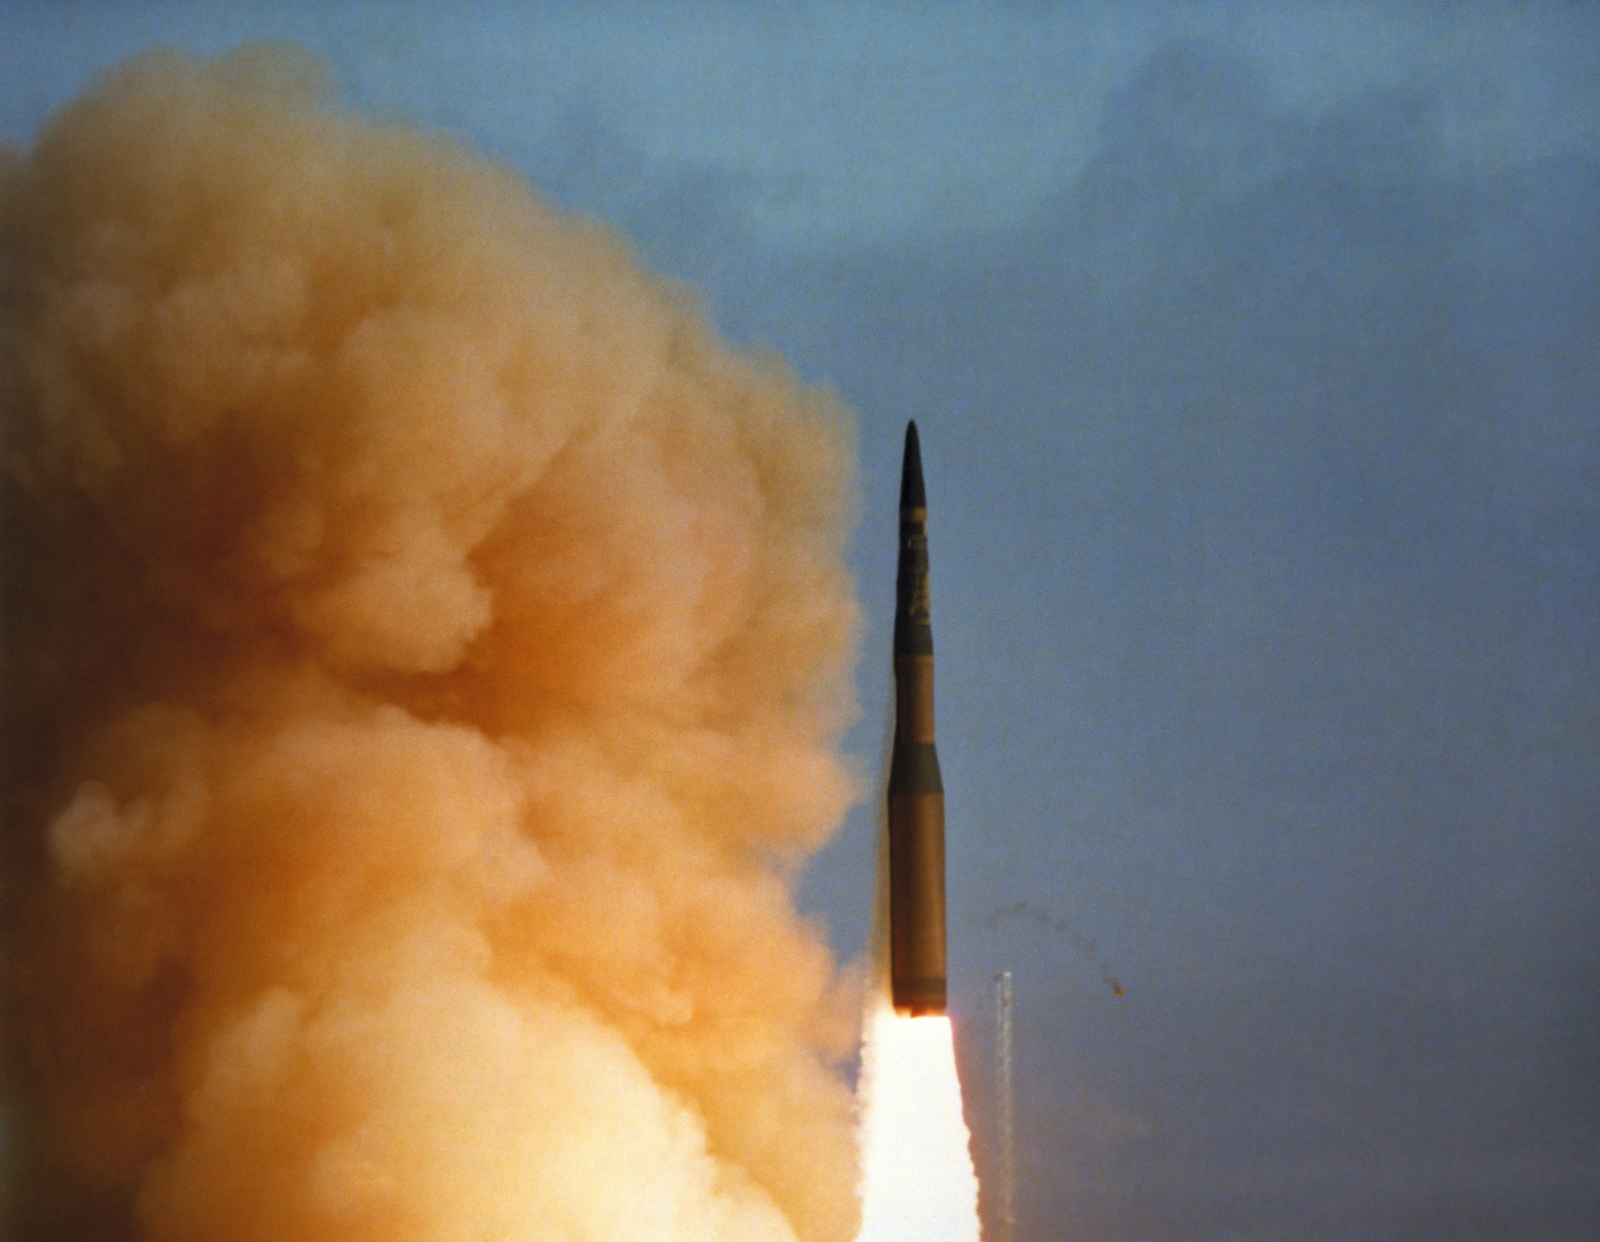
1005, 1092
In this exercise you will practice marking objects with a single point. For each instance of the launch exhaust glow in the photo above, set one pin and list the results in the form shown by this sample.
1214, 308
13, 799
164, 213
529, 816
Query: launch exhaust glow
918, 1182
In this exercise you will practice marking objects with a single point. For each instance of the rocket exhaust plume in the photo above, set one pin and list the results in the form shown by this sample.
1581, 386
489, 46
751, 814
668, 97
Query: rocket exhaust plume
426, 650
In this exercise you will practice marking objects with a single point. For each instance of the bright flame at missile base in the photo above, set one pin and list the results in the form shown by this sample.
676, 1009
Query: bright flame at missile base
918, 1182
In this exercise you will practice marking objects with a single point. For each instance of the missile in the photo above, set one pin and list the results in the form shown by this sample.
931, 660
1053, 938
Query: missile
916, 794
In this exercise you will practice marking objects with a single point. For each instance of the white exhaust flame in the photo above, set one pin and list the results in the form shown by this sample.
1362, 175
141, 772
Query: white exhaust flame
918, 1182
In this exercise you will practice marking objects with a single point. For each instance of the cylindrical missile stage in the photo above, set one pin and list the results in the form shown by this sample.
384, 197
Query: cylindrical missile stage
916, 794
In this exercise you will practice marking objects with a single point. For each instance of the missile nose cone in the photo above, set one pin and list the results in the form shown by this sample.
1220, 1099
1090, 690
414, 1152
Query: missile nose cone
912, 495
913, 633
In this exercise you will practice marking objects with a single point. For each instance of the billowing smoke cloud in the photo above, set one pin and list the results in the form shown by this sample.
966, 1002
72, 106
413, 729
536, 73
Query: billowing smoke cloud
427, 648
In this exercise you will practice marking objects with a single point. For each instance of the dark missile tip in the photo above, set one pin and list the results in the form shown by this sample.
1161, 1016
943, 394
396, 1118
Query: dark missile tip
912, 495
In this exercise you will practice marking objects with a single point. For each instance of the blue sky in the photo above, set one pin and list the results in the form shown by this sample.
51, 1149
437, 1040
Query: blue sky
1254, 348
844, 120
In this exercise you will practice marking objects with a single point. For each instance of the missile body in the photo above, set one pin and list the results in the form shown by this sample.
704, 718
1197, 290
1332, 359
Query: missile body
916, 794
